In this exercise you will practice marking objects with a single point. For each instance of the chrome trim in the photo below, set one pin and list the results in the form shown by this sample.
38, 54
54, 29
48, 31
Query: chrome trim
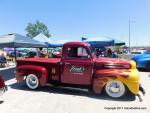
116, 66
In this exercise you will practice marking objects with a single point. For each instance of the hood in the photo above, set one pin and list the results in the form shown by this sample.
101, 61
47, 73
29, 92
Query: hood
113, 63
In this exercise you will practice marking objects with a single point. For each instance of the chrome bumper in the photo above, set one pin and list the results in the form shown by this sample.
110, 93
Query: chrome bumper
3, 90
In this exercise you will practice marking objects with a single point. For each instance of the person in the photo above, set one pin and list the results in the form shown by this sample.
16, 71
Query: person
3, 60
109, 52
41, 54
114, 55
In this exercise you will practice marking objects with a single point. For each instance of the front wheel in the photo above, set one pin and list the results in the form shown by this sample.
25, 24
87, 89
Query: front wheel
32, 81
115, 89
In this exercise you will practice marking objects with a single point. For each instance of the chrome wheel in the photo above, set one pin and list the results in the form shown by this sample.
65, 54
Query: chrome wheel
32, 81
115, 89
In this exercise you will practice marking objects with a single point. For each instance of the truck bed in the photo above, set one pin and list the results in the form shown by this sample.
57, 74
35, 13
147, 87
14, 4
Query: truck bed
51, 64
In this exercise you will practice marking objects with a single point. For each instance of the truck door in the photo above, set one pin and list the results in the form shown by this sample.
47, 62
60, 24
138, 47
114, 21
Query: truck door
77, 66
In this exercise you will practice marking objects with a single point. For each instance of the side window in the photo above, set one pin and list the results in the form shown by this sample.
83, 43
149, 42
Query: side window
82, 52
77, 52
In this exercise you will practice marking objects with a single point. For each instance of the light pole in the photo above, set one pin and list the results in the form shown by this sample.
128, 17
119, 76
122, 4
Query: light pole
129, 37
130, 34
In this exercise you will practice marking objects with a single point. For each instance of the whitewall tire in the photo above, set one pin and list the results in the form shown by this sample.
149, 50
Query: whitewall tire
115, 89
32, 81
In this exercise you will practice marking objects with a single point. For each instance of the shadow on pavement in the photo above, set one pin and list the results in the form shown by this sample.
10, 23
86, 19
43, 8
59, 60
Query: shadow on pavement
70, 91
1, 101
8, 74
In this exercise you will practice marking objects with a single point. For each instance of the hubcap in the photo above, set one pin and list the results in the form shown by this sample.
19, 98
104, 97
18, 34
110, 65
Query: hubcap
32, 81
115, 89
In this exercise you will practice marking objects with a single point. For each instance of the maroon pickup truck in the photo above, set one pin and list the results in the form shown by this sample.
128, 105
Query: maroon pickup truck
3, 87
79, 68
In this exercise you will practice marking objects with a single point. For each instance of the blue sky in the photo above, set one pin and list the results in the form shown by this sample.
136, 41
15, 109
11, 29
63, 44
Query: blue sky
72, 19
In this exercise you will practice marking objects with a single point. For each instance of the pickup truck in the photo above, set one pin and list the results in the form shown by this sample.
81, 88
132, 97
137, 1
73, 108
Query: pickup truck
78, 67
3, 87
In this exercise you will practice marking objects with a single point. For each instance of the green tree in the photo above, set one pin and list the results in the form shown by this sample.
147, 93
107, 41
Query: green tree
33, 29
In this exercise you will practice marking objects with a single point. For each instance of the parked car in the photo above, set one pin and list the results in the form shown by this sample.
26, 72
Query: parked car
18, 54
32, 54
3, 87
143, 60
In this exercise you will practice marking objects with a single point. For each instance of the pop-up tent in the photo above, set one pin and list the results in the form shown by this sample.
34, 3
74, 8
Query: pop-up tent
100, 41
119, 42
19, 41
58, 43
42, 38
50, 42
103, 41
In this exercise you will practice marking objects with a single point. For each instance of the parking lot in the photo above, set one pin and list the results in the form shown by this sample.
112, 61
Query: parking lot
50, 99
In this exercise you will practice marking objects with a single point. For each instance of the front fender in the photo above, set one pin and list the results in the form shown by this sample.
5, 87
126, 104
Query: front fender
130, 77
39, 71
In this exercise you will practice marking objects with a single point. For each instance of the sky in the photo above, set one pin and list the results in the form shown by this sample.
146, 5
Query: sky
73, 19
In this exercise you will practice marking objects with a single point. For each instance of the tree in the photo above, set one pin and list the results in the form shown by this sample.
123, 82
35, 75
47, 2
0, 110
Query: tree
33, 29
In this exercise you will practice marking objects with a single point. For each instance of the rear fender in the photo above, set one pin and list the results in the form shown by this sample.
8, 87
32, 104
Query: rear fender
39, 71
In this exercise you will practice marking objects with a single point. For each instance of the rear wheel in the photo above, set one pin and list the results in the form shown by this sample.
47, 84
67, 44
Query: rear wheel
115, 89
32, 81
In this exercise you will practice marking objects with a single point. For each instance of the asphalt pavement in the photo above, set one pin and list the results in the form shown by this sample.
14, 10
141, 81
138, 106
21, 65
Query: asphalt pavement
50, 99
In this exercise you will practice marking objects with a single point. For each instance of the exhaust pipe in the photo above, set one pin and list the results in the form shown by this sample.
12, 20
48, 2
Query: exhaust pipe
143, 92
142, 89
140, 98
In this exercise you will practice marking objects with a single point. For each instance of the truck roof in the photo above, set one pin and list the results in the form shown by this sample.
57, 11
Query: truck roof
40, 59
76, 44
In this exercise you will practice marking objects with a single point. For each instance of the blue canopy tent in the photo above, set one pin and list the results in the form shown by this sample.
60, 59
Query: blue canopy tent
103, 41
58, 43
100, 41
55, 43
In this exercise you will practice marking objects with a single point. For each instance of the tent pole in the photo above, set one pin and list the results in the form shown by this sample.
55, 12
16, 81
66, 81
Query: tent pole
15, 54
47, 52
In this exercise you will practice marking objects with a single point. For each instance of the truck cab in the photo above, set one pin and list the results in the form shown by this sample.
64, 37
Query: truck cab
78, 67
77, 64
